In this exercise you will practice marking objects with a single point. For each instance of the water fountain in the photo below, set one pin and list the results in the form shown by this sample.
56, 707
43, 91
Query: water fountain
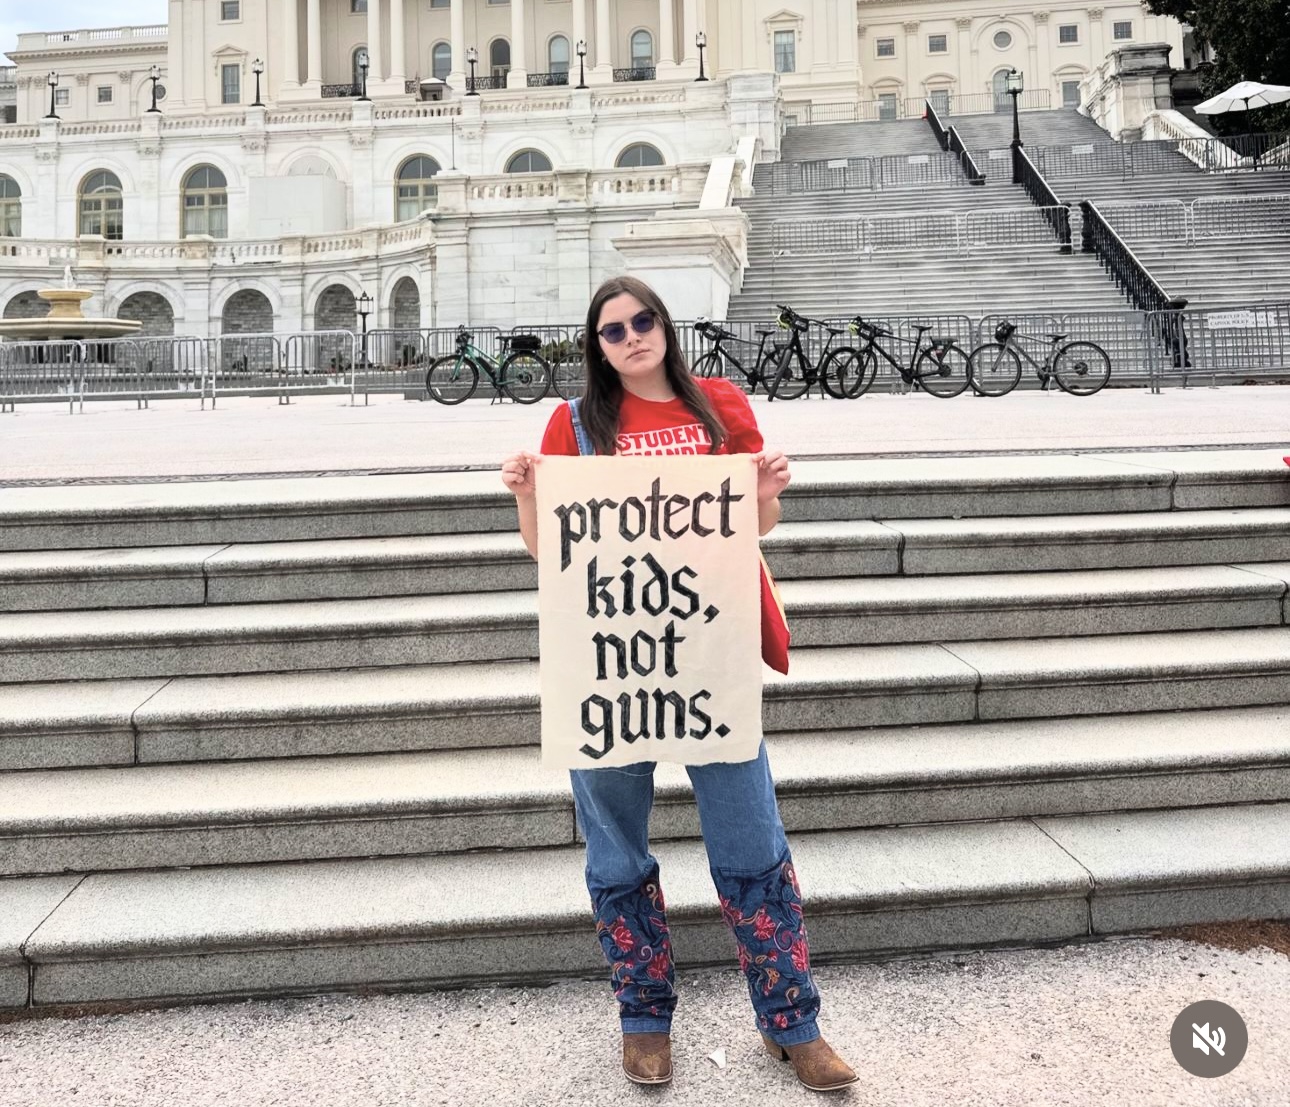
65, 321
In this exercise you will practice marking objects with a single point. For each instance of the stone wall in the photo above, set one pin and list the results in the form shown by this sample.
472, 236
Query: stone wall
150, 309
26, 305
336, 310
405, 306
248, 312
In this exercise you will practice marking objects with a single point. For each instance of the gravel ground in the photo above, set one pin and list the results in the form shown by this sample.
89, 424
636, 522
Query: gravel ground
1074, 1025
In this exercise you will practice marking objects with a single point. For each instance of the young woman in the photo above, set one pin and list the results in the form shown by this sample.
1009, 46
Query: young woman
638, 386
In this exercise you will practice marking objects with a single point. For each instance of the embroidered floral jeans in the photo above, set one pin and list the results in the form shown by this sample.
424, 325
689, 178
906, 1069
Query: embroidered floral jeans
751, 867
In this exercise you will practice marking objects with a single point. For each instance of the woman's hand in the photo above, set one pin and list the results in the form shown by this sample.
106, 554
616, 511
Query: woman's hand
772, 475
518, 473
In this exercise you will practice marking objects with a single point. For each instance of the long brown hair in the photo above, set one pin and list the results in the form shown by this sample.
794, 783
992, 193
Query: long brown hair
604, 391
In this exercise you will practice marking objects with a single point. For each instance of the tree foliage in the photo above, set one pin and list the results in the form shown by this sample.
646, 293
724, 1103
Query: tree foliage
1251, 42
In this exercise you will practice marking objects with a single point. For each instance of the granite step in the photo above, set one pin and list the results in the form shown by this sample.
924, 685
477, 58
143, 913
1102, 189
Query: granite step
309, 509
502, 626
438, 707
277, 929
305, 809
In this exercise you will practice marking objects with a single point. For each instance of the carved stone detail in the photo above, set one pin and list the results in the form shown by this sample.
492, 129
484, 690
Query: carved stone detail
82, 79
1095, 14
255, 144
124, 76
360, 140
963, 23
1040, 18
149, 148
46, 154
910, 28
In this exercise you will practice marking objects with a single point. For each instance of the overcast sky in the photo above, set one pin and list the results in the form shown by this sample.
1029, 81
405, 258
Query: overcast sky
19, 16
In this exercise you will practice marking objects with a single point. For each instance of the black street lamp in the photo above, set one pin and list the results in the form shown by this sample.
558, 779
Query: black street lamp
154, 75
364, 310
257, 67
582, 57
472, 56
1014, 86
701, 41
53, 84
363, 63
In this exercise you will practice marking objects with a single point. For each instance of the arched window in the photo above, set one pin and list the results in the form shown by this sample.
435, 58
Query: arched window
441, 60
642, 50
638, 155
206, 202
10, 208
101, 208
529, 161
557, 55
415, 188
1000, 85
499, 57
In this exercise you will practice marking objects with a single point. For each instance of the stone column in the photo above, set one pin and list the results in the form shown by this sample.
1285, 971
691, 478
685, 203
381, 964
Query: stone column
397, 61
579, 35
1043, 77
913, 86
290, 44
375, 70
457, 33
313, 20
604, 67
518, 77
691, 25
1096, 34
665, 52
963, 31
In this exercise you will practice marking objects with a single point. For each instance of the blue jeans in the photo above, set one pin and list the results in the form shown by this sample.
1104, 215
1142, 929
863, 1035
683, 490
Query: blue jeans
751, 867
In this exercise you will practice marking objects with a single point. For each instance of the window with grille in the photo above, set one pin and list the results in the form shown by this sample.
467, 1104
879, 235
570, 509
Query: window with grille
206, 202
358, 7
1070, 94
639, 155
230, 10
62, 97
557, 55
886, 106
785, 52
441, 60
415, 190
938, 44
230, 84
104, 94
642, 45
101, 205
1068, 33
1122, 30
499, 57
886, 47
10, 208
529, 161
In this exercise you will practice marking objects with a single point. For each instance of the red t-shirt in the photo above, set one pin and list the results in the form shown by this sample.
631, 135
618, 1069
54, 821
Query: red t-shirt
667, 427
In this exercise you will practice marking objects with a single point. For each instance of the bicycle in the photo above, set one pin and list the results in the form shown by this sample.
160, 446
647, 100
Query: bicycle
523, 374
939, 366
567, 366
714, 361
795, 372
1079, 368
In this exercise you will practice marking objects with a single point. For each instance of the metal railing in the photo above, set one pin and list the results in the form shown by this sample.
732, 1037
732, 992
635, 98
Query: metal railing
934, 121
489, 82
1057, 214
1191, 222
966, 162
1259, 152
635, 73
878, 111
852, 239
342, 90
1242, 345
787, 178
1098, 236
547, 80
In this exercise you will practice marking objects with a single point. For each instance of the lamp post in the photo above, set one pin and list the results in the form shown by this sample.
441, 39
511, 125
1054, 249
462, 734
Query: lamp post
472, 56
363, 63
52, 79
701, 41
257, 67
582, 57
364, 310
154, 75
1014, 86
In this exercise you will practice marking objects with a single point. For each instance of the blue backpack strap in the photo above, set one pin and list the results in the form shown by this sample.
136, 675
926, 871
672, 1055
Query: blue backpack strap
579, 431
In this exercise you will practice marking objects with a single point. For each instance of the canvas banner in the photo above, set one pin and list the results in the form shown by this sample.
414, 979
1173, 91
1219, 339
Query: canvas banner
649, 610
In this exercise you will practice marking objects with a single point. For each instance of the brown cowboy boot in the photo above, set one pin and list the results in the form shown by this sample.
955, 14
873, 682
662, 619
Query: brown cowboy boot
647, 1058
815, 1063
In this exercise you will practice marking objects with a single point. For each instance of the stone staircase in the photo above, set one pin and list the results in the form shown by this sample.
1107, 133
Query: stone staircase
1058, 127
275, 736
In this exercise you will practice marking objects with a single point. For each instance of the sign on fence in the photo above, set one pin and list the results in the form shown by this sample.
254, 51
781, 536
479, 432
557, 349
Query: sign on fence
1239, 320
649, 610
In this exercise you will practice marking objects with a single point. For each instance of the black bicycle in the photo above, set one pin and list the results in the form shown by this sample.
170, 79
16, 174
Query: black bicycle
713, 363
937, 364
523, 374
568, 366
1080, 368
837, 371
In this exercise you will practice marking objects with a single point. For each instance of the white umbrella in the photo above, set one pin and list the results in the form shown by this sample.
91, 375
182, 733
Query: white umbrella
1242, 96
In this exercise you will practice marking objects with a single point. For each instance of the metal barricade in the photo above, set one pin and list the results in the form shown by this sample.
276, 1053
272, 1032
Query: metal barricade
245, 365
40, 372
1010, 226
1239, 345
1169, 220
916, 170
317, 363
112, 370
1241, 217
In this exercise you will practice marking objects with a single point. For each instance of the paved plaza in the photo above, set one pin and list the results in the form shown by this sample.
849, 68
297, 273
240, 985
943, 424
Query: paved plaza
324, 434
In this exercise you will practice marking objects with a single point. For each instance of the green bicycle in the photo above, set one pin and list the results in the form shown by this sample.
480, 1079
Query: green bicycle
523, 374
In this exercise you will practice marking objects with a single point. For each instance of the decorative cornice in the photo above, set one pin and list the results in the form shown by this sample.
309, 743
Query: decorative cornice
82, 78
124, 76
963, 23
149, 147
360, 140
255, 143
910, 28
1040, 18
1095, 14
46, 154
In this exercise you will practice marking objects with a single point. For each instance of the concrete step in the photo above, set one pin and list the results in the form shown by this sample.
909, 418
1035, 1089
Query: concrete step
435, 707
420, 803
426, 921
502, 626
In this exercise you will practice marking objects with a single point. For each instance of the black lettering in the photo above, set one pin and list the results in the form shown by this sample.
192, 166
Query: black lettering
640, 643
566, 514
629, 587
655, 498
700, 715
603, 729
699, 500
726, 500
681, 590
675, 505
598, 592
635, 505
655, 595
670, 641
620, 648
625, 730
677, 704
595, 506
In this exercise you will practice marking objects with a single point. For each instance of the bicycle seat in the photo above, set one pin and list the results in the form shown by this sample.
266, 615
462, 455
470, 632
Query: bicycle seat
835, 330
942, 340
764, 333
1056, 337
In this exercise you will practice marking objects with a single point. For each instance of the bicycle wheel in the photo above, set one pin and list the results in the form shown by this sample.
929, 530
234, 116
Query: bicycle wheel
451, 379
566, 377
996, 369
525, 377
842, 374
709, 365
792, 379
1082, 368
943, 372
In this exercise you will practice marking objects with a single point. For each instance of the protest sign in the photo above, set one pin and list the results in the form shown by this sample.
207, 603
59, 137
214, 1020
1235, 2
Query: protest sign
649, 610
